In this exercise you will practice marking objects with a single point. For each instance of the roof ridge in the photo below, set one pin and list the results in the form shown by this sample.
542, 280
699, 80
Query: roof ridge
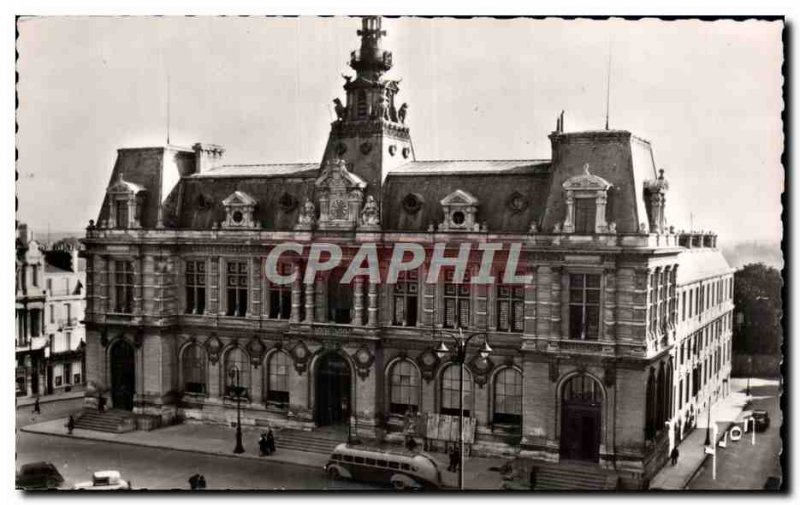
266, 164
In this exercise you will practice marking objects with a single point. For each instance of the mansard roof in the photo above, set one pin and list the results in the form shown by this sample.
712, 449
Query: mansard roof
467, 167
267, 170
701, 263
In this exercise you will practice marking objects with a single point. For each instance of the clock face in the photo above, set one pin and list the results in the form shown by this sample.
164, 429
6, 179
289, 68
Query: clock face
339, 209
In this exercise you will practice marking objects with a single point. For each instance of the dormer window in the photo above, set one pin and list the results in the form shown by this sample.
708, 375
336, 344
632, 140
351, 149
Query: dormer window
125, 201
459, 209
239, 208
586, 197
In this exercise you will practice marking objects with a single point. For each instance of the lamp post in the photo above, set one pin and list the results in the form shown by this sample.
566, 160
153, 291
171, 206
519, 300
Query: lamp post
238, 391
708, 426
460, 345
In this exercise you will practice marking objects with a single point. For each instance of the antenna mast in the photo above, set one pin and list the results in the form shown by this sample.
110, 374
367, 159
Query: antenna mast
168, 107
608, 84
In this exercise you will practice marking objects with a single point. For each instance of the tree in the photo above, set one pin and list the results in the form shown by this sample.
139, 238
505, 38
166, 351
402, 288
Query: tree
758, 310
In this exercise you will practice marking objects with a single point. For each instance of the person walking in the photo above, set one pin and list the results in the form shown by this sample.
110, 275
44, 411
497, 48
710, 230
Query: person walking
193, 481
36, 408
263, 449
270, 442
532, 477
70, 424
101, 404
201, 482
673, 455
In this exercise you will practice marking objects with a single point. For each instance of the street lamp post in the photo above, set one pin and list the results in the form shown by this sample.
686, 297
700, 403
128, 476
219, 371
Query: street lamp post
460, 345
708, 427
238, 391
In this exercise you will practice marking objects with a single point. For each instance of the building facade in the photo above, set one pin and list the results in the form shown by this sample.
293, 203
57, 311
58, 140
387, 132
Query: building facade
608, 352
50, 304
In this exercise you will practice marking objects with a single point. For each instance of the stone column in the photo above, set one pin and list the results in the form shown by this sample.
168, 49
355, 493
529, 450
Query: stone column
372, 310
296, 294
138, 283
321, 300
358, 301
309, 303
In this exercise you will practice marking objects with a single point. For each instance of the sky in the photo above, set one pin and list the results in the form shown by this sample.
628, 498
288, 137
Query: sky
707, 95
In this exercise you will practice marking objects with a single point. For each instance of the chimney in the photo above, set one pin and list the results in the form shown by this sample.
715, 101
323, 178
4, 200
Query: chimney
207, 157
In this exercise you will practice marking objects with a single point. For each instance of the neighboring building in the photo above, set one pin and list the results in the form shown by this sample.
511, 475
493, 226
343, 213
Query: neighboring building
29, 316
612, 350
50, 305
65, 277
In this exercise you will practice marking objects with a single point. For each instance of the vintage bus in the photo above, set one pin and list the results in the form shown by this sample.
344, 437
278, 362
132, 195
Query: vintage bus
401, 469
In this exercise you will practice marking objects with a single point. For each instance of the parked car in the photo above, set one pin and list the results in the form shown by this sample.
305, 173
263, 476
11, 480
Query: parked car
39, 475
762, 419
107, 480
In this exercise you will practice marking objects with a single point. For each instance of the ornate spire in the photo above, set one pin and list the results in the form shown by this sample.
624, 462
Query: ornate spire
370, 61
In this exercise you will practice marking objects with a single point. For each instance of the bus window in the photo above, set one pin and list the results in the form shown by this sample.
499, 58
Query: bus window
359, 460
405, 466
382, 463
347, 458
336, 457
394, 464
370, 461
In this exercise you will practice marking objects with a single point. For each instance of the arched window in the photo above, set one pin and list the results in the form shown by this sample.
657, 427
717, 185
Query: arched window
278, 380
582, 389
236, 359
508, 397
193, 366
451, 391
404, 388
650, 400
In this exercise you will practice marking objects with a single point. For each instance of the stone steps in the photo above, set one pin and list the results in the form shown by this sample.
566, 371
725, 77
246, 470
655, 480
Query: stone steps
306, 441
108, 422
568, 477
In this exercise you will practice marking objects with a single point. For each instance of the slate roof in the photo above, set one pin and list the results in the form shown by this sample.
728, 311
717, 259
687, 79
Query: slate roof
268, 170
701, 263
465, 167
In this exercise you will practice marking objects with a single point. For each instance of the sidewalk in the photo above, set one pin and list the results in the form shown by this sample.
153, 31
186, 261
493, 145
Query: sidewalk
28, 401
692, 448
219, 441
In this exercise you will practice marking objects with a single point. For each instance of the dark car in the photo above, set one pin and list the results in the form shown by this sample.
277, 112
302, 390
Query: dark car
762, 419
41, 475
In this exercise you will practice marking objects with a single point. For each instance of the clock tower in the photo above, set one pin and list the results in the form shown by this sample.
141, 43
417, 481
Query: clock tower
370, 132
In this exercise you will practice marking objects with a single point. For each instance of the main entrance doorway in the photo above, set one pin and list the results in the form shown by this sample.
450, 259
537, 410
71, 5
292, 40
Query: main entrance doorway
332, 390
123, 375
581, 419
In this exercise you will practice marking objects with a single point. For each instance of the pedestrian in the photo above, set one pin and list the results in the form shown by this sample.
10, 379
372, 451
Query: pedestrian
201, 482
411, 444
70, 424
263, 449
193, 481
270, 442
36, 409
453, 459
101, 404
674, 455
532, 477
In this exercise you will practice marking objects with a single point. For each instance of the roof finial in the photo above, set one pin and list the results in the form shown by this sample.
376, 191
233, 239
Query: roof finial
586, 169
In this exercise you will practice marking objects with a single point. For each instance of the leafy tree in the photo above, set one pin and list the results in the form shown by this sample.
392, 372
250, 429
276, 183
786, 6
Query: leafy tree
758, 310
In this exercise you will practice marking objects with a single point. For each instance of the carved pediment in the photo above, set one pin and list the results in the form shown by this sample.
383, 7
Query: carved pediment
586, 182
123, 187
239, 198
459, 197
335, 175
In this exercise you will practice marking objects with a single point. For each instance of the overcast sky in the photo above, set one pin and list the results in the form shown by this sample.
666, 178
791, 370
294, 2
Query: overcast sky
707, 95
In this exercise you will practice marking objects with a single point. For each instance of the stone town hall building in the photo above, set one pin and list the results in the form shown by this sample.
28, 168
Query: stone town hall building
613, 350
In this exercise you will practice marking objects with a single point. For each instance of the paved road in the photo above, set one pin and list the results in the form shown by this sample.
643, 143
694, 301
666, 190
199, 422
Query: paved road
167, 469
742, 465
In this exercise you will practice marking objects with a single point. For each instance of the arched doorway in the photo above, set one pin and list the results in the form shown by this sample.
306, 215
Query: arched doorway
581, 419
332, 400
123, 375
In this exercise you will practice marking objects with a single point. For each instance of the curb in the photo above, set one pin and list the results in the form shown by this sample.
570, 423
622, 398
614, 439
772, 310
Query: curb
181, 449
